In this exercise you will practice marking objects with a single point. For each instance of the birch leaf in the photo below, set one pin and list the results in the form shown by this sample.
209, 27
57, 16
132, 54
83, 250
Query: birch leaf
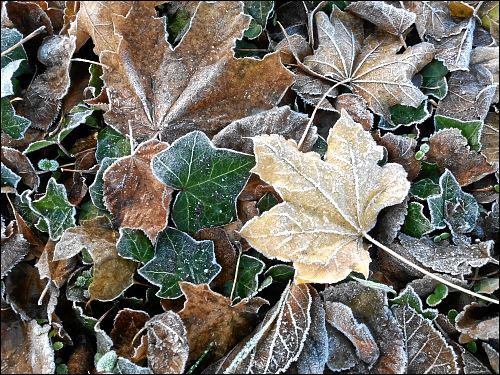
371, 66
328, 205
197, 85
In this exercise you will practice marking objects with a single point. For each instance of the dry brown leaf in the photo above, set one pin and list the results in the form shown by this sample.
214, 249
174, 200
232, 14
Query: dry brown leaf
277, 341
20, 165
311, 89
390, 220
328, 204
356, 107
167, 344
492, 357
295, 46
132, 193
14, 248
385, 16
210, 318
475, 322
490, 138
400, 150
57, 271
449, 150
197, 85
371, 66
488, 58
126, 325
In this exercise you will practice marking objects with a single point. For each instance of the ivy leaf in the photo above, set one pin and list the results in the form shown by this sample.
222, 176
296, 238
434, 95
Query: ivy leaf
434, 79
209, 180
403, 115
134, 244
469, 129
15, 126
259, 11
416, 223
96, 189
408, 297
247, 281
424, 188
281, 273
178, 257
328, 204
9, 38
9, 178
55, 210
452, 206
111, 144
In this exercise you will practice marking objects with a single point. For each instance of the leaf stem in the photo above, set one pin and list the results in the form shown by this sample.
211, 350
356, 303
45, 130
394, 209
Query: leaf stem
235, 276
308, 126
425, 272
24, 40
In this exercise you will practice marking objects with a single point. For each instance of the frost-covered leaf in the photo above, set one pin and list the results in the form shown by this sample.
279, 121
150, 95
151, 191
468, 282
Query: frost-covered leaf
277, 341
280, 120
7, 75
311, 89
55, 209
452, 207
427, 350
178, 257
424, 188
9, 178
111, 144
97, 187
249, 269
14, 248
260, 12
210, 318
469, 129
48, 165
356, 107
444, 257
134, 195
434, 79
369, 65
490, 138
9, 38
409, 298
487, 57
209, 180
492, 356
476, 322
385, 16
197, 85
314, 356
416, 223
15, 126
328, 204
390, 221
404, 115
20, 165
167, 344
126, 325
134, 244
364, 307
57, 271
281, 273
440, 293
470, 94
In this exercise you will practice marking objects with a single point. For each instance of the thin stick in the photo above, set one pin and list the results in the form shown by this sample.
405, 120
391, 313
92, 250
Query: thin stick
24, 40
235, 277
308, 126
425, 272
310, 21
90, 62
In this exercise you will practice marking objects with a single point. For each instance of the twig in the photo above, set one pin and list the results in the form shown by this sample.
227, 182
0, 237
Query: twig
235, 277
425, 272
24, 40
90, 62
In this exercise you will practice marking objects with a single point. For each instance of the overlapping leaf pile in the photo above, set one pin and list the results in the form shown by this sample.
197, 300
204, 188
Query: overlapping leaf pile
170, 206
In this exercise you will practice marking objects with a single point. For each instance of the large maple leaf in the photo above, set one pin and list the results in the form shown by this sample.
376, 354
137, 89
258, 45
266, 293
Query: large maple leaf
328, 205
198, 85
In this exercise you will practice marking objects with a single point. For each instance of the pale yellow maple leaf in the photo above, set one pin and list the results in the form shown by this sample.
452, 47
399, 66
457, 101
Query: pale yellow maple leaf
329, 205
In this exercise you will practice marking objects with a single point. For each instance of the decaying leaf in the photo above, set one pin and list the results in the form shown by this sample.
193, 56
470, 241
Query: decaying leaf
369, 66
21, 165
492, 357
136, 198
477, 322
488, 58
390, 221
210, 318
14, 248
197, 85
167, 344
277, 341
328, 204
126, 325
490, 138
427, 350
57, 271
356, 107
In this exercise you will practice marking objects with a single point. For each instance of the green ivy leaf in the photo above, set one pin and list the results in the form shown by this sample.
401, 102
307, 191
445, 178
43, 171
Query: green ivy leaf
434, 80
177, 23
410, 298
416, 224
48, 165
9, 38
55, 209
402, 115
13, 125
452, 206
134, 244
95, 82
260, 12
469, 129
111, 144
7, 76
9, 178
178, 257
424, 188
209, 180
280, 273
96, 189
440, 293
247, 280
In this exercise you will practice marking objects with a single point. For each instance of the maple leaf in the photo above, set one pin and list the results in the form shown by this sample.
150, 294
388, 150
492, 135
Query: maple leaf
370, 67
328, 205
197, 85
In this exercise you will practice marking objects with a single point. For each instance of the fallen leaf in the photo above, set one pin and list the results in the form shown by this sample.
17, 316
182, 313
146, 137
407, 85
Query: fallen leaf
277, 341
311, 89
469, 364
487, 58
470, 129
477, 322
134, 195
126, 325
426, 348
450, 151
13, 125
135, 245
56, 271
490, 137
112, 144
434, 79
367, 65
390, 221
409, 297
385, 16
279, 120
210, 318
247, 280
320, 225
369, 306
357, 108
167, 344
163, 93
210, 179
26, 346
416, 223
14, 248
21, 165
492, 356
178, 257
